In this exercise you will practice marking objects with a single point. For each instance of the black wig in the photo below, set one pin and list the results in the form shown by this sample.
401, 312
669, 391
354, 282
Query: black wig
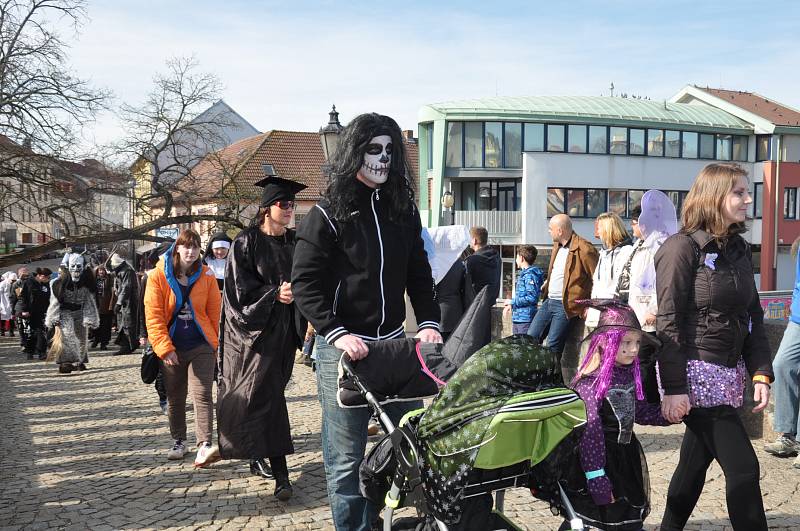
347, 161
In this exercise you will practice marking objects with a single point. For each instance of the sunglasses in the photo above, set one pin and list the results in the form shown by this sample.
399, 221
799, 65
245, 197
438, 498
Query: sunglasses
285, 205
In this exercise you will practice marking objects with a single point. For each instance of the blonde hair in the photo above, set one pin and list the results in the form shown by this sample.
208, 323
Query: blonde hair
702, 208
611, 229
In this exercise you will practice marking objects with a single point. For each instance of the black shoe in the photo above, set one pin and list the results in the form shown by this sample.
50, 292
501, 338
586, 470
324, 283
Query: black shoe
122, 352
94, 344
283, 489
65, 368
81, 367
42, 357
259, 467
103, 346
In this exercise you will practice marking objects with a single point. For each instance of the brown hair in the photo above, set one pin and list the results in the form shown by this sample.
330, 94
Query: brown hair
702, 208
611, 229
528, 253
480, 234
187, 238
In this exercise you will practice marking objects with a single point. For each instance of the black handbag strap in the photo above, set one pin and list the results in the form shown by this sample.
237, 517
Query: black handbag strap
178, 310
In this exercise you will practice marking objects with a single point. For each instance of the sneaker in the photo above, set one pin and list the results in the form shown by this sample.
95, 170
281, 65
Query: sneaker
784, 446
177, 451
206, 454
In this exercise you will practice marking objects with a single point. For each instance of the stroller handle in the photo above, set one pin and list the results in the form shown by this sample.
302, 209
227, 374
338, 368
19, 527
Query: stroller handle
347, 365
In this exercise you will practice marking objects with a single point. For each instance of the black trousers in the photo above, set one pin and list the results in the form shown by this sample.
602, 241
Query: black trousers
716, 433
102, 333
648, 355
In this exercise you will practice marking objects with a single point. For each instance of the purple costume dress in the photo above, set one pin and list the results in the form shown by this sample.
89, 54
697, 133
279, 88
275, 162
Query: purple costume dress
609, 444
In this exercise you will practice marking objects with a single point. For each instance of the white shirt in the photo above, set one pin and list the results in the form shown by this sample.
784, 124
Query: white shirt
217, 265
642, 296
606, 277
555, 286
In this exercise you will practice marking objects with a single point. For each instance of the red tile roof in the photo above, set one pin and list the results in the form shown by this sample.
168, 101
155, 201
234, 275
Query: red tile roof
775, 112
295, 155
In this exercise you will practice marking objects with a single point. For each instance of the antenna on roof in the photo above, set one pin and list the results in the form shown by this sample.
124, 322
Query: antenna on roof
612, 89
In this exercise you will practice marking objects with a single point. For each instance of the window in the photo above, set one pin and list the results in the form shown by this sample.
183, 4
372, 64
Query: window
455, 136
706, 146
513, 145
634, 198
484, 199
576, 203
672, 143
790, 203
555, 201
428, 129
493, 142
740, 148
555, 137
689, 148
724, 145
27, 237
763, 147
595, 203
598, 139
534, 137
488, 194
655, 142
473, 144
576, 135
636, 139
758, 194
617, 202
619, 140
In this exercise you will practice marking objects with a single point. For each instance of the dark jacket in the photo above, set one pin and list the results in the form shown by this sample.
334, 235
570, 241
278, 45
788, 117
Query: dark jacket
34, 299
526, 296
104, 294
126, 291
454, 294
483, 267
350, 275
708, 307
581, 262
16, 294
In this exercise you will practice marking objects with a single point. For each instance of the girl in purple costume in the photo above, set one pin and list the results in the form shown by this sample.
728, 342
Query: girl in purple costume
608, 482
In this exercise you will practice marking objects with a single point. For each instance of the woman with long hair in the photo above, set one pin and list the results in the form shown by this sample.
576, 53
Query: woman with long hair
182, 308
616, 251
711, 326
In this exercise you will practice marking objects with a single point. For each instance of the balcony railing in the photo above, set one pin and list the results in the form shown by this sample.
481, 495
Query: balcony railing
496, 222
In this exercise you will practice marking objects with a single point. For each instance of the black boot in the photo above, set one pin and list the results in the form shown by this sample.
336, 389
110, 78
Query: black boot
81, 367
259, 467
283, 489
65, 368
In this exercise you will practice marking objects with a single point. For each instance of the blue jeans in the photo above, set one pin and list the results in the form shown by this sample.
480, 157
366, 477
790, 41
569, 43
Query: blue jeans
551, 314
786, 387
344, 439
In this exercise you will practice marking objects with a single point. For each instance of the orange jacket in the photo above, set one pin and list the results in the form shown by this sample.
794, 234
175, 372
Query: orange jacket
160, 301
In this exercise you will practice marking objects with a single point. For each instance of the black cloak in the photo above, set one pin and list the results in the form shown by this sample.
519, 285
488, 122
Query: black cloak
258, 339
126, 288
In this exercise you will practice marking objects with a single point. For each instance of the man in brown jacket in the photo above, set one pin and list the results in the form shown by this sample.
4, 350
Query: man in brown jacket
569, 278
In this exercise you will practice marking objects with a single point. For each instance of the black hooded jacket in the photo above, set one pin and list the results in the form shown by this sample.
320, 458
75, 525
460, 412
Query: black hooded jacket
484, 268
349, 275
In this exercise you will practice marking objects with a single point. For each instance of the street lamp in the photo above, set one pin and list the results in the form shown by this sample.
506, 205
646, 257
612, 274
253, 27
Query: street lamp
448, 200
329, 134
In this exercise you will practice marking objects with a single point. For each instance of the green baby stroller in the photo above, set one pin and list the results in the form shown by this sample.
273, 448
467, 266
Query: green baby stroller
503, 420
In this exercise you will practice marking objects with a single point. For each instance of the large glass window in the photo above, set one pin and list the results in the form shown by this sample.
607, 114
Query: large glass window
555, 137
758, 199
576, 203
762, 147
454, 144
634, 198
724, 145
790, 203
534, 137
689, 150
672, 143
619, 140
513, 145
484, 199
636, 139
428, 128
493, 142
555, 201
473, 144
655, 142
595, 203
740, 148
706, 146
617, 202
598, 139
576, 136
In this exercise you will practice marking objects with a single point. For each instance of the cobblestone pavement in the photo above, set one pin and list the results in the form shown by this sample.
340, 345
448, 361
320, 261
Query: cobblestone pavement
88, 452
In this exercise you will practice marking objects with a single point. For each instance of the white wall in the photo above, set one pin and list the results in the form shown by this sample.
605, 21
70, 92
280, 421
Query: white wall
790, 148
570, 170
784, 278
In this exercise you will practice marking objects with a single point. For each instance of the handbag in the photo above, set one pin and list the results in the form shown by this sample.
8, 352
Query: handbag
151, 363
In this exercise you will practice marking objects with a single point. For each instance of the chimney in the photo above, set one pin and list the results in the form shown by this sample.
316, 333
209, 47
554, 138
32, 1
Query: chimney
408, 136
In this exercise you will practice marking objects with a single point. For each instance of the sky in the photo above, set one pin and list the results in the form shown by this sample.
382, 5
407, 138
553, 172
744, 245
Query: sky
282, 64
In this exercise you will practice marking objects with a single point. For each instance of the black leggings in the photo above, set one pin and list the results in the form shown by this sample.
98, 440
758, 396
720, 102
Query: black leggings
716, 433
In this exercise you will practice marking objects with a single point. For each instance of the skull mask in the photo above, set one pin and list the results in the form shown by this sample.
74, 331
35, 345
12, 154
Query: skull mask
377, 159
76, 265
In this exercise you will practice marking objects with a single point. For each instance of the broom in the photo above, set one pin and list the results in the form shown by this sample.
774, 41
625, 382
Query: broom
56, 344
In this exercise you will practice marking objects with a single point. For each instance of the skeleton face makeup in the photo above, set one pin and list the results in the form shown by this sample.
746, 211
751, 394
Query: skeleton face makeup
76, 267
377, 159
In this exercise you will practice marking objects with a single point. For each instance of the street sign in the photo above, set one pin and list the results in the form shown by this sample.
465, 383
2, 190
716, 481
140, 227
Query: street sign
168, 232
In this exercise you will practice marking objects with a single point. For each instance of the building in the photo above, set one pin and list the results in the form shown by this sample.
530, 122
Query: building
513, 162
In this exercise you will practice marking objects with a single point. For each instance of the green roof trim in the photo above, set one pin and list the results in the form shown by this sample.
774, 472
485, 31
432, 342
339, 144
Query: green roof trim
601, 110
